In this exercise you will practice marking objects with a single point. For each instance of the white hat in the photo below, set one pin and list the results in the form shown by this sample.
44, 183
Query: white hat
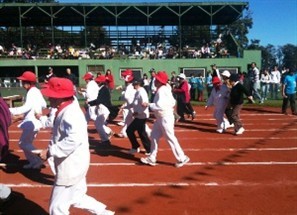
4, 192
182, 75
226, 73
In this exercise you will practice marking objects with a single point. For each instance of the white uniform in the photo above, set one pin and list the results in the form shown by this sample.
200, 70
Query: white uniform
70, 149
34, 103
219, 99
128, 97
91, 94
163, 108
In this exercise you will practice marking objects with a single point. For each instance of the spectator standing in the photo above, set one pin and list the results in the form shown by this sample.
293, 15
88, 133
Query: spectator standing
265, 82
109, 80
152, 84
208, 83
200, 88
146, 83
254, 79
163, 108
69, 148
71, 77
140, 116
34, 103
275, 82
289, 92
173, 80
193, 81
49, 75
236, 102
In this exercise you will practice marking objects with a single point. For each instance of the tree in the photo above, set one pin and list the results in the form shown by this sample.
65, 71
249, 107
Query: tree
289, 56
27, 1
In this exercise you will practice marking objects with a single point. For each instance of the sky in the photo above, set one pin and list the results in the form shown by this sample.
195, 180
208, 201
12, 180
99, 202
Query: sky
275, 21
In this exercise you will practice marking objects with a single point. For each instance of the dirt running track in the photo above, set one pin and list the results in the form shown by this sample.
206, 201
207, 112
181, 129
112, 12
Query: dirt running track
252, 174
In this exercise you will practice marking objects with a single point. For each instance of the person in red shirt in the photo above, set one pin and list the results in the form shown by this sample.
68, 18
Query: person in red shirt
109, 80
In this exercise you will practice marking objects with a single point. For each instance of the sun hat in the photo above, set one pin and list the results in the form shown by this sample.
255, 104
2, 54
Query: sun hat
127, 72
216, 80
100, 79
182, 75
162, 77
28, 76
88, 76
58, 88
226, 73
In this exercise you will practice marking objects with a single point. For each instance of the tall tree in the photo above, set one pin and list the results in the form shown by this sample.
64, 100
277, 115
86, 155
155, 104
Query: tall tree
289, 56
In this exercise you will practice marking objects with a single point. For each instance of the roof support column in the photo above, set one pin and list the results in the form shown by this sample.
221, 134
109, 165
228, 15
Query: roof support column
21, 27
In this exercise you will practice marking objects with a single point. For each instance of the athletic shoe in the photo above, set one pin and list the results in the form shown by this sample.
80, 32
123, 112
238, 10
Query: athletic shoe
134, 151
107, 212
111, 133
148, 161
193, 115
240, 131
181, 163
220, 130
120, 123
119, 135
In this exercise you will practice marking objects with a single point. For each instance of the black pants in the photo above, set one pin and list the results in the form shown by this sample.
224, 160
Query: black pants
290, 98
139, 126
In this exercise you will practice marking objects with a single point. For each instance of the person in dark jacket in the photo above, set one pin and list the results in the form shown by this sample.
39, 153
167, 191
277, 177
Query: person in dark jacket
236, 102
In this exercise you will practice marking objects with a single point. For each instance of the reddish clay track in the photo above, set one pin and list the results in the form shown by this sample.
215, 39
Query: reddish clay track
255, 173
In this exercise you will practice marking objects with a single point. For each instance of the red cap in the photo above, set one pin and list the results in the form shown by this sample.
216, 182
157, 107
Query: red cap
58, 88
162, 77
216, 80
88, 76
28, 76
100, 79
127, 72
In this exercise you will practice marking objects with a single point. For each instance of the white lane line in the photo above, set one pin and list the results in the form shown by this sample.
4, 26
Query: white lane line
221, 163
169, 184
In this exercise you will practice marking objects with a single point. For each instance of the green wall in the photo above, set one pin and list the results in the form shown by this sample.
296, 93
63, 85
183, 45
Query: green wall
169, 65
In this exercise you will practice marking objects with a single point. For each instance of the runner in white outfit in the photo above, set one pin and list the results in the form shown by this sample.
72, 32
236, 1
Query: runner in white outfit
69, 148
90, 94
34, 103
163, 108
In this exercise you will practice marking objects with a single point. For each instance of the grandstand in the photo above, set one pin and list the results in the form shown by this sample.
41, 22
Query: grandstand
99, 36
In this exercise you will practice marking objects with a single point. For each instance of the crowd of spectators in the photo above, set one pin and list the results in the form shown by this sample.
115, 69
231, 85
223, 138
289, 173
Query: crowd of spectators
214, 49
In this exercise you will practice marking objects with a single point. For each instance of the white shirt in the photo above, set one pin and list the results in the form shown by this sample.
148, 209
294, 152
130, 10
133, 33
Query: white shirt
140, 98
275, 77
163, 101
92, 90
34, 103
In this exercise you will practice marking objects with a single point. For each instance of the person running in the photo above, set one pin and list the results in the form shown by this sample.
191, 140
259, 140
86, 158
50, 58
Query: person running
34, 103
236, 102
69, 148
219, 98
90, 93
5, 121
163, 108
140, 116
102, 104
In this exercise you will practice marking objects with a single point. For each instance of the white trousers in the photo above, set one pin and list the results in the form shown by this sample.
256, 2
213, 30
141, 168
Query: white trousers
164, 126
102, 129
65, 196
26, 142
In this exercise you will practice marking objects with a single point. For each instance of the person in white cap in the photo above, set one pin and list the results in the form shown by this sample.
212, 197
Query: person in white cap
163, 108
34, 103
69, 148
182, 93
90, 93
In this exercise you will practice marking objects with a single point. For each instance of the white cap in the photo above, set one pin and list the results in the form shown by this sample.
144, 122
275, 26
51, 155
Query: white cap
4, 192
182, 75
226, 73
